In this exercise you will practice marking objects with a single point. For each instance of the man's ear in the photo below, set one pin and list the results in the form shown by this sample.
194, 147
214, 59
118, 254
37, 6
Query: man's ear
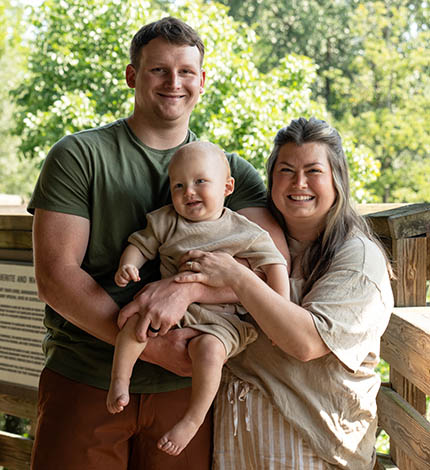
202, 80
130, 76
229, 186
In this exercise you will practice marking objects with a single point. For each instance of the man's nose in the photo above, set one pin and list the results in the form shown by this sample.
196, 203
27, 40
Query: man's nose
173, 79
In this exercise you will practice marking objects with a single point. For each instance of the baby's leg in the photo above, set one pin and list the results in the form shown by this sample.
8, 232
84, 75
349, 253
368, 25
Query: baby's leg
127, 351
208, 355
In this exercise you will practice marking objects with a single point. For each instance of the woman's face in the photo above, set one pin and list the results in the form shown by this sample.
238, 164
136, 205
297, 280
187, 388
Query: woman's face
303, 190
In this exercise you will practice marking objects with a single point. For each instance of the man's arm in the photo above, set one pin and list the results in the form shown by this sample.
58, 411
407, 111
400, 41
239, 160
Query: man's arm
59, 245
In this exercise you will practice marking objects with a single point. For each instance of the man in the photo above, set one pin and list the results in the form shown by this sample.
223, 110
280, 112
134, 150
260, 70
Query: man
94, 190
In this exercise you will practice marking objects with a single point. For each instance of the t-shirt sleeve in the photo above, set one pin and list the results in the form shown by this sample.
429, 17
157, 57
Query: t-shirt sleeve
64, 182
146, 240
262, 251
352, 303
249, 188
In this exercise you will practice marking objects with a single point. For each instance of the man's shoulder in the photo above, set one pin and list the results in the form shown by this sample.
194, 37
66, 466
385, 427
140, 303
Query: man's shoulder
94, 133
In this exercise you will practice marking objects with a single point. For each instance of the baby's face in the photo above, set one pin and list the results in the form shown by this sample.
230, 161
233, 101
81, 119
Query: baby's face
199, 184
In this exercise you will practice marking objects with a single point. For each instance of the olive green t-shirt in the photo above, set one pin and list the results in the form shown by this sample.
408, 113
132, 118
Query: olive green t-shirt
110, 177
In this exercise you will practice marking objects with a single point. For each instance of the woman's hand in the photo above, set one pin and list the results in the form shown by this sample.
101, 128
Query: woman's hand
215, 269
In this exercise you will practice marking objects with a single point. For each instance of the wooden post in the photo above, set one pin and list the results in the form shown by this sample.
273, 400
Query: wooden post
405, 230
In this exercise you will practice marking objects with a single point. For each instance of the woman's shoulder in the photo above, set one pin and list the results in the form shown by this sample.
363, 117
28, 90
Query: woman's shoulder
362, 254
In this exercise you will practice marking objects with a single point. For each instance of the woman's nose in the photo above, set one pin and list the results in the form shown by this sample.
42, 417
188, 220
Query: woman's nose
300, 180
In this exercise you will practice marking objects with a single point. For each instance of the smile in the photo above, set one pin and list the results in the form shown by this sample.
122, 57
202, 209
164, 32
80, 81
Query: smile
192, 203
299, 197
172, 97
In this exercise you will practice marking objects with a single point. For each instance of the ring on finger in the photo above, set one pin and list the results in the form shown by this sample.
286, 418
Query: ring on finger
189, 265
154, 330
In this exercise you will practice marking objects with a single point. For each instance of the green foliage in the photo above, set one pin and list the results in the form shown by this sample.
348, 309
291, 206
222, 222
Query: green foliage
242, 108
76, 84
17, 176
373, 73
319, 29
388, 98
73, 84
75, 70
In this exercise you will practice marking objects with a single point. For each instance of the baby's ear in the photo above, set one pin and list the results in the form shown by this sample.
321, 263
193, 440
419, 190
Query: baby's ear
229, 186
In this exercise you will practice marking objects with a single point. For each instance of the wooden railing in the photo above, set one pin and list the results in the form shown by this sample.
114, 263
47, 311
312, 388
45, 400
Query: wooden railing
16, 400
405, 231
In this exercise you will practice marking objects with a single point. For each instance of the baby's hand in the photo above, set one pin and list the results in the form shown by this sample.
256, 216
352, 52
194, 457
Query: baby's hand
125, 274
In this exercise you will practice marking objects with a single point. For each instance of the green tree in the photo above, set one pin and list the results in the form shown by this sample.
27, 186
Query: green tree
17, 176
388, 98
319, 29
80, 84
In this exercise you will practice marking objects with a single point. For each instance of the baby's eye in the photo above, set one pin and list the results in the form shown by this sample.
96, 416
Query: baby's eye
178, 186
200, 181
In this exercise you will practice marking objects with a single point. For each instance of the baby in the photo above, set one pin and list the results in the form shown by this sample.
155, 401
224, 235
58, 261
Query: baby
200, 180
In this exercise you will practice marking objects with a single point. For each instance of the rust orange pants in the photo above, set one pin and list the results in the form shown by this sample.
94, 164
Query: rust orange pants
75, 430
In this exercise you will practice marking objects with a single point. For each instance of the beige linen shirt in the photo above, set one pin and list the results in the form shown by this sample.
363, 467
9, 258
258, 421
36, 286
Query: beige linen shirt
331, 401
170, 235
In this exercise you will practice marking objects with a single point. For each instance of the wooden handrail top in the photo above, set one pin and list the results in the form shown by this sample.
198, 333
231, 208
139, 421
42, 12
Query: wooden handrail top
419, 317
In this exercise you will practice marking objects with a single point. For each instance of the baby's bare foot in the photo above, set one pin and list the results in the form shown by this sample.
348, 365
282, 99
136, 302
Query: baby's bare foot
118, 396
175, 440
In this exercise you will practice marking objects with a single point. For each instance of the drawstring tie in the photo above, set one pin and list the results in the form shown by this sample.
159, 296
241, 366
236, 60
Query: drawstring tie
238, 390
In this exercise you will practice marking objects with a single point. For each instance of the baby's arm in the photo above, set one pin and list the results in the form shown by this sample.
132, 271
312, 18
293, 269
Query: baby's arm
131, 261
277, 278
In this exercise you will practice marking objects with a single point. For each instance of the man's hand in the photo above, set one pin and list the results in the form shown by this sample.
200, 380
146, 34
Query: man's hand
171, 351
160, 304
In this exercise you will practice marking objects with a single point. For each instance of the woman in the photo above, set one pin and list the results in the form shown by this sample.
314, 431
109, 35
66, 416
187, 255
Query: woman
303, 396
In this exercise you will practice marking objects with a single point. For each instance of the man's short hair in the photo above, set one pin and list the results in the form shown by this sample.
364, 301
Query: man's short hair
169, 28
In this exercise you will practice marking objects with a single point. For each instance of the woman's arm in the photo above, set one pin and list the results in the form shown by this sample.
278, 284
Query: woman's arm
288, 325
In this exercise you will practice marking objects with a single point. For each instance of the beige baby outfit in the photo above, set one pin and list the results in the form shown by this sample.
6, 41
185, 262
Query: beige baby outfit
170, 235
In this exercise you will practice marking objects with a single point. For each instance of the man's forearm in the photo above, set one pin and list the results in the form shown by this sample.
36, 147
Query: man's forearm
75, 295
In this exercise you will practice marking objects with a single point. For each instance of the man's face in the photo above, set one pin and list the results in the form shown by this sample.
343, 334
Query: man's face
168, 82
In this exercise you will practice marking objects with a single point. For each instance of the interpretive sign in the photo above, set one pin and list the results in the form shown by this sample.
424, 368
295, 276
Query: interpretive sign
21, 325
